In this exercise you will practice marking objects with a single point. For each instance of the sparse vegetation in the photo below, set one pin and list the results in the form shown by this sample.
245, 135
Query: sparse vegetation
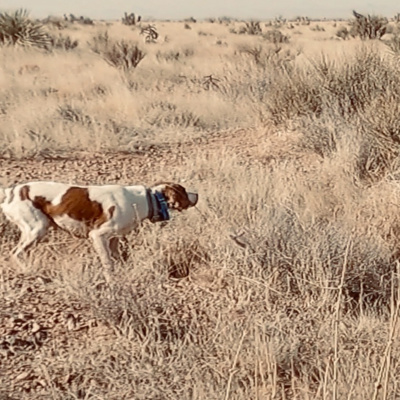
347, 91
79, 20
394, 44
343, 33
317, 28
282, 284
276, 36
62, 42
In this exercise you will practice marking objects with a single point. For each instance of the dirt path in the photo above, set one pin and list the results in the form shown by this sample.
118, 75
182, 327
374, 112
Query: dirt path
145, 164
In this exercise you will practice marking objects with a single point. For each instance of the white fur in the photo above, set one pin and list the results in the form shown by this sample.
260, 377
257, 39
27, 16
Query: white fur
129, 202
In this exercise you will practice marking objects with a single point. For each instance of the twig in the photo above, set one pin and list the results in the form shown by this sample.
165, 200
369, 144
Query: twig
385, 367
233, 371
337, 320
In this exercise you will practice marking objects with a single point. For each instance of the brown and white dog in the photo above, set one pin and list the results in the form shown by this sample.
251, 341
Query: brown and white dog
98, 212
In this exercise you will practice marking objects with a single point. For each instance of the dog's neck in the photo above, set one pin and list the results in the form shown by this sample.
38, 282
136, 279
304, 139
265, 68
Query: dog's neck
157, 205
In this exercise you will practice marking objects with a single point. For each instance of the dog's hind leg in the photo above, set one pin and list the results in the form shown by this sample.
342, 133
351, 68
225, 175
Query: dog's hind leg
29, 236
33, 225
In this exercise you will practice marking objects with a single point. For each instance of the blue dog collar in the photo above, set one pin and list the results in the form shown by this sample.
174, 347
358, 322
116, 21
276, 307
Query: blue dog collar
163, 213
158, 207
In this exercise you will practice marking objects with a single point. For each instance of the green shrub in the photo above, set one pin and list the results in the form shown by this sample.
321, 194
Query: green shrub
16, 28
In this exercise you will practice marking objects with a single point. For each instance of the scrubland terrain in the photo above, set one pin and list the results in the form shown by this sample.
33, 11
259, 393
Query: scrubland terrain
282, 284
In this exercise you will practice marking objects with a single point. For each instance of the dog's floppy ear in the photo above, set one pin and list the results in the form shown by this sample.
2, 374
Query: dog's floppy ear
176, 195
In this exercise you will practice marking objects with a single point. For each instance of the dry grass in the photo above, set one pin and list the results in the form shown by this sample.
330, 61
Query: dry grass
283, 284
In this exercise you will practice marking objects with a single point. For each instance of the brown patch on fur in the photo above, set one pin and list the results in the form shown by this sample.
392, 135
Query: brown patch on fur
24, 193
77, 205
176, 196
111, 211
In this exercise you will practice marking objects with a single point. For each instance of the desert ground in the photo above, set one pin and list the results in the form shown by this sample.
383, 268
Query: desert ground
283, 282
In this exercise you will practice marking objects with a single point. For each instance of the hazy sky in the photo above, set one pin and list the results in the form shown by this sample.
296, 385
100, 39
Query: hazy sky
178, 9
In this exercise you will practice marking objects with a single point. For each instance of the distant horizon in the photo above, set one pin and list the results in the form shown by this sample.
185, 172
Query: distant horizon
180, 9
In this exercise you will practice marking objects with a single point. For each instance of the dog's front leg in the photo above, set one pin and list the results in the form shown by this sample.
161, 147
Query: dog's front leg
100, 239
118, 248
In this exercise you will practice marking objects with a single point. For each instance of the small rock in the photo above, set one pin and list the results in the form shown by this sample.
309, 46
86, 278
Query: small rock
35, 327
21, 376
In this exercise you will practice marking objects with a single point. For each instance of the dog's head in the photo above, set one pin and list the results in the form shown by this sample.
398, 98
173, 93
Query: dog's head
176, 196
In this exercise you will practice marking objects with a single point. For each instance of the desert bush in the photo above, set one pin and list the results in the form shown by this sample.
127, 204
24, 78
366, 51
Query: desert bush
17, 28
74, 114
298, 256
274, 58
347, 87
251, 28
119, 54
352, 84
174, 55
353, 91
379, 128
317, 28
303, 21
255, 52
164, 114
56, 22
291, 96
62, 42
150, 33
343, 33
276, 36
368, 27
190, 20
79, 20
394, 44
130, 19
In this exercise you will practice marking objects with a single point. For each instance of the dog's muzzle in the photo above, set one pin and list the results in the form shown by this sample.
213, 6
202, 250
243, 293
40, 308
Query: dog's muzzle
193, 198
